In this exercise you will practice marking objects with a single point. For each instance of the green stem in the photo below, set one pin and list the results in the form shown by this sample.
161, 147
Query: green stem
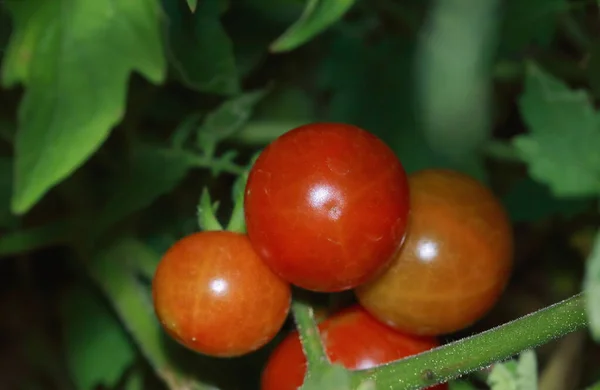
473, 353
211, 163
309, 335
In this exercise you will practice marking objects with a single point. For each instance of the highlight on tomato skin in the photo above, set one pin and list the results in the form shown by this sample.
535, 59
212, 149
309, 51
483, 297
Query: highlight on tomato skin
352, 338
455, 262
213, 294
326, 206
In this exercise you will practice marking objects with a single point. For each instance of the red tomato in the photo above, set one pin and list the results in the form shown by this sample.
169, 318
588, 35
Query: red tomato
214, 295
327, 206
352, 338
455, 262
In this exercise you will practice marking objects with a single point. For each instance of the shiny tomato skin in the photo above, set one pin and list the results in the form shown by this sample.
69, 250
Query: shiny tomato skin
326, 206
213, 294
352, 338
455, 261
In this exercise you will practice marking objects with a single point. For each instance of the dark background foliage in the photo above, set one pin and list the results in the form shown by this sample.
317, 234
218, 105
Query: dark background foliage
115, 115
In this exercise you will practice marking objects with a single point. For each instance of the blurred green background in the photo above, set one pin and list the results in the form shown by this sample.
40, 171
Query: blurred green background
115, 116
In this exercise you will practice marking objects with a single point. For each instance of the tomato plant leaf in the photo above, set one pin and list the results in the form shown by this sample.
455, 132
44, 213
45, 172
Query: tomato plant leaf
515, 374
502, 378
317, 16
199, 48
592, 288
226, 120
527, 378
75, 66
453, 75
529, 22
93, 360
561, 147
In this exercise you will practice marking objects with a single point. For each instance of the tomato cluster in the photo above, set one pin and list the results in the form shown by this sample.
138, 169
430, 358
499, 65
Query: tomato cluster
329, 207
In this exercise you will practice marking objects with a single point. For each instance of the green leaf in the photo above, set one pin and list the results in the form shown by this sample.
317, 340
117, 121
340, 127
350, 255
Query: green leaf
153, 172
529, 22
527, 378
453, 75
529, 200
318, 15
226, 120
502, 378
98, 350
591, 286
113, 271
200, 50
513, 374
561, 148
192, 4
75, 66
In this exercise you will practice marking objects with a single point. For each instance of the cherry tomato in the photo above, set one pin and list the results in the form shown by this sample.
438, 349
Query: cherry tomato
352, 338
213, 294
455, 262
327, 206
